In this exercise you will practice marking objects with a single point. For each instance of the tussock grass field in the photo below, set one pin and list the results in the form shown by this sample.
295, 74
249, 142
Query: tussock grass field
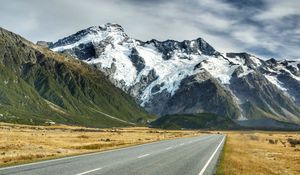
25, 143
245, 152
258, 152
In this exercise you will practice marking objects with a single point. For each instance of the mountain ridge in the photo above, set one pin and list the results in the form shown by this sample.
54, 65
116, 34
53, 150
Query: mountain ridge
41, 86
155, 72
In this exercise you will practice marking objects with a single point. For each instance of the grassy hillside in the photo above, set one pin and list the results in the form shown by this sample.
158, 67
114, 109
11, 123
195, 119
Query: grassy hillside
38, 85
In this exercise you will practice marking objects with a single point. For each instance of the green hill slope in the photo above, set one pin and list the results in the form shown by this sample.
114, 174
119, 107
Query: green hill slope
38, 85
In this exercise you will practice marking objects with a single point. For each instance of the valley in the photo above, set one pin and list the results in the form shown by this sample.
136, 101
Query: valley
137, 87
181, 90
244, 152
100, 77
25, 143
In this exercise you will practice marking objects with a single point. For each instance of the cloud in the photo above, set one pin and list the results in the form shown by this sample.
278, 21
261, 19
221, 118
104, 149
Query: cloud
262, 27
278, 9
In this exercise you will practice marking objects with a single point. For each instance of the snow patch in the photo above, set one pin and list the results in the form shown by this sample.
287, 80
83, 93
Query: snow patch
171, 72
219, 68
256, 60
118, 54
273, 79
241, 62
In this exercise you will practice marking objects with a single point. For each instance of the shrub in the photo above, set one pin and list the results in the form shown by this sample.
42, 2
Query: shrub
271, 141
254, 137
293, 142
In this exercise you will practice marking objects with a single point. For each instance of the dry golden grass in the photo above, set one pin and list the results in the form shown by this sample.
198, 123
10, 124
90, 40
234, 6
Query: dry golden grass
260, 153
23, 143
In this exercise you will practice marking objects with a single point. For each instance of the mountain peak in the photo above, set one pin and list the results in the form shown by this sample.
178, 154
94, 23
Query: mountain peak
108, 27
94, 34
113, 26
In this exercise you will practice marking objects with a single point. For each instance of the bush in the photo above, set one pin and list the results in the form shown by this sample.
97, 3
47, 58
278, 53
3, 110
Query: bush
271, 141
293, 142
254, 137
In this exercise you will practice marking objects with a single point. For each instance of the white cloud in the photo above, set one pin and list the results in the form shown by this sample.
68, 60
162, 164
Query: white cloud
225, 26
278, 9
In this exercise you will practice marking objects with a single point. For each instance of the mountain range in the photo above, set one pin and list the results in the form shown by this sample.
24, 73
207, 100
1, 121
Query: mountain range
101, 77
190, 77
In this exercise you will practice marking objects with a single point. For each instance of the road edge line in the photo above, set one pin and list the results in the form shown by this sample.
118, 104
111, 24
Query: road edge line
211, 157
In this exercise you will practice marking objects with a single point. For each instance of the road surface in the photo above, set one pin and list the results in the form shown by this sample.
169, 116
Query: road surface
191, 156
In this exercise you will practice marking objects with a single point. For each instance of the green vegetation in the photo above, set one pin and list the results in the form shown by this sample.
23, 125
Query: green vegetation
194, 121
38, 85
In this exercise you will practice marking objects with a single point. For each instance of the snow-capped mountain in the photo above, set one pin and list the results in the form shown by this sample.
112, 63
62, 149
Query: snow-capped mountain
171, 77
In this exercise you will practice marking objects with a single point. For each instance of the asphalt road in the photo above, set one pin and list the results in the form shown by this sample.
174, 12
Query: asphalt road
191, 156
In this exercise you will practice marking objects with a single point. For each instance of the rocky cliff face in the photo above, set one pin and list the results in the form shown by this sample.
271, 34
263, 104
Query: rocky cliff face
189, 77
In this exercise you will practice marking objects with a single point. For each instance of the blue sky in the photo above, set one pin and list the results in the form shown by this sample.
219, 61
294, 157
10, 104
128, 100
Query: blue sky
266, 28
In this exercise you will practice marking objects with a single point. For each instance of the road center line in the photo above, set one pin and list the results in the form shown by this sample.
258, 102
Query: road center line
86, 172
211, 157
145, 155
169, 148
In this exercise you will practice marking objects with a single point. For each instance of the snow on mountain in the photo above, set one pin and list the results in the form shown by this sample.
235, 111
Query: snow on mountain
274, 80
220, 68
170, 72
155, 71
278, 68
92, 34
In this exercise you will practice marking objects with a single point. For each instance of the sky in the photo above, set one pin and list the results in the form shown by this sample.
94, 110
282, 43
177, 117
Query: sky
266, 28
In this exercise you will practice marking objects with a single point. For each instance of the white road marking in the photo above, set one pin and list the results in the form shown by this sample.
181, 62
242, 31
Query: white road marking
86, 172
169, 148
145, 155
181, 144
211, 157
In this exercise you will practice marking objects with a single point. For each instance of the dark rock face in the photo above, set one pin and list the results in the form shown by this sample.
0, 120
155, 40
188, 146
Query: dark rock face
246, 57
292, 86
140, 86
167, 48
137, 61
256, 91
189, 97
83, 51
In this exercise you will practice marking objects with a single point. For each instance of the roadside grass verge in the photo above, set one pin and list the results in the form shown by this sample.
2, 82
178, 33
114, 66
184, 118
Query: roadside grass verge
260, 152
220, 165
